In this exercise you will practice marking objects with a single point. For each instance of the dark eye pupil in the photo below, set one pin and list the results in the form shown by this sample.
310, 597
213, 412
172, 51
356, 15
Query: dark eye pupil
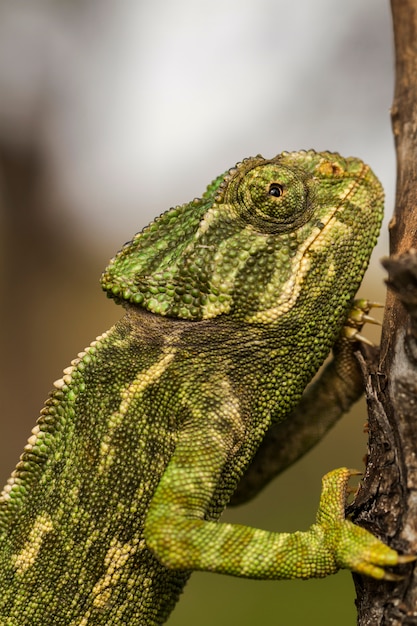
275, 190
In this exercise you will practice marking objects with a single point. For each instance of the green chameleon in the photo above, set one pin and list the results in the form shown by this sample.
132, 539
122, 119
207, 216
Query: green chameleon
232, 302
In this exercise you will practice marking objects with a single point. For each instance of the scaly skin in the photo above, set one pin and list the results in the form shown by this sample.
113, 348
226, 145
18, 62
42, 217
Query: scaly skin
232, 303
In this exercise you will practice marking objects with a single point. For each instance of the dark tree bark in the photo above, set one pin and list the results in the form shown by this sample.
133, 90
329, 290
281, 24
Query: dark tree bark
387, 500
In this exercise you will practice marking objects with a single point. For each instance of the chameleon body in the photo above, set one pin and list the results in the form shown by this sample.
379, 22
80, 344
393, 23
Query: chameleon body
232, 301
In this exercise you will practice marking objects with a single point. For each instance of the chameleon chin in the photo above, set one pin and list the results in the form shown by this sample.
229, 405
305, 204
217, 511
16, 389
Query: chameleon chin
232, 302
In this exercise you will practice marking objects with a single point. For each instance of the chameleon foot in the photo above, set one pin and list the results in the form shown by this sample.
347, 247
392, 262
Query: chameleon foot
355, 548
358, 316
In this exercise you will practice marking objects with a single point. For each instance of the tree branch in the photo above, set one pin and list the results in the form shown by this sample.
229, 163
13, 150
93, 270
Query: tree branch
387, 500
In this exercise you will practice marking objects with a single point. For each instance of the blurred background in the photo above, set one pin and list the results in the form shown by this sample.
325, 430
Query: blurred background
110, 113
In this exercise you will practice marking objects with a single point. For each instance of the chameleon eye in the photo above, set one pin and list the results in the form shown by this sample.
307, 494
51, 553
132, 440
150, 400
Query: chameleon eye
276, 190
258, 192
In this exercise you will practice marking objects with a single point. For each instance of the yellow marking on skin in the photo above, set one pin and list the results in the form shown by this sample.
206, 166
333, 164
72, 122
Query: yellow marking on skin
327, 168
291, 289
115, 561
249, 243
210, 218
228, 408
27, 557
130, 393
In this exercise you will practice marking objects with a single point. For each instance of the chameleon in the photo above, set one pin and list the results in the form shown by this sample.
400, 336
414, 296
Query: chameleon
198, 397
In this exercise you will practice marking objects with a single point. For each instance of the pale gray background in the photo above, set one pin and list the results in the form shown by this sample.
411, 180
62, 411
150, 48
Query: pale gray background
146, 101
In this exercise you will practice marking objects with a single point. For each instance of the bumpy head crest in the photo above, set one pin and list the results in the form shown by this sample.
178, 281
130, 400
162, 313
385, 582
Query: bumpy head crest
249, 243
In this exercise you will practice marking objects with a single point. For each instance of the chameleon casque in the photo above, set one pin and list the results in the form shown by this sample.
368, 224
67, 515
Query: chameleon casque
232, 302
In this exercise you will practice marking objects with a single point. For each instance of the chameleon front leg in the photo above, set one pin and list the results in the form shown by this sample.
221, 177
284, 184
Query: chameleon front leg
183, 536
323, 403
321, 406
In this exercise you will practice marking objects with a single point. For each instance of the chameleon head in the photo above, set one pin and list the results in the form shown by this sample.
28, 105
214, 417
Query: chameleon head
265, 236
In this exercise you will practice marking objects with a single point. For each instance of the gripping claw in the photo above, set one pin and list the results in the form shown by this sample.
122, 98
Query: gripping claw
357, 317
